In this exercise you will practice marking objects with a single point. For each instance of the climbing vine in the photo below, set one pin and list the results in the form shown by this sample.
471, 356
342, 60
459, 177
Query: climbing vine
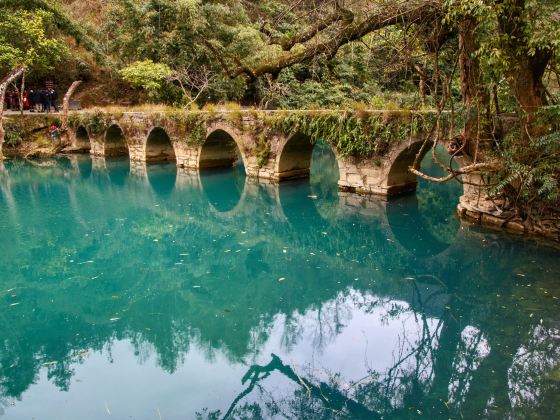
262, 150
95, 121
358, 134
192, 126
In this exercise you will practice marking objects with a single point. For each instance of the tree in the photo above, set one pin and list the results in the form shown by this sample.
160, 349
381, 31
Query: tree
27, 39
147, 75
4, 83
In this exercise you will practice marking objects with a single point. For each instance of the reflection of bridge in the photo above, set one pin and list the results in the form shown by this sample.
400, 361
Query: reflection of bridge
266, 152
232, 196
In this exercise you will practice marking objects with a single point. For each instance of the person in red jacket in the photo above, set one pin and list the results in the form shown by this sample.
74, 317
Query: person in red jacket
54, 132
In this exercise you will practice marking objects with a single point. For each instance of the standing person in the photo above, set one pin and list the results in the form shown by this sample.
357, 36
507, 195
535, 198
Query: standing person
25, 100
37, 100
53, 96
15, 103
11, 101
31, 99
41, 94
46, 101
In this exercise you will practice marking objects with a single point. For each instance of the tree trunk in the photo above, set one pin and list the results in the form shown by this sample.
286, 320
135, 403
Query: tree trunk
10, 78
21, 93
475, 97
526, 67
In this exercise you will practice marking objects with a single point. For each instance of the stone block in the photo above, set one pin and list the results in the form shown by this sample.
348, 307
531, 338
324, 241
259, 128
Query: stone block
354, 179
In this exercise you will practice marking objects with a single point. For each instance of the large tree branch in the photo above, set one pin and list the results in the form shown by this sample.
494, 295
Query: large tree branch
410, 12
339, 14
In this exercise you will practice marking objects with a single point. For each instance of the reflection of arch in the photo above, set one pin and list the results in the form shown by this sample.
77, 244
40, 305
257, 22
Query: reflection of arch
118, 171
224, 188
84, 165
220, 150
294, 159
159, 147
115, 143
324, 177
299, 207
404, 217
424, 223
400, 179
82, 139
162, 178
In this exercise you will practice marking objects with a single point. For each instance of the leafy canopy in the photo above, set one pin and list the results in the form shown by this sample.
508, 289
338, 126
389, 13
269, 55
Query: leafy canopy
27, 39
147, 75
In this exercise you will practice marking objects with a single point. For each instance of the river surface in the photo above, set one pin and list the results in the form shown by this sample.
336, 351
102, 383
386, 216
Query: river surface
152, 293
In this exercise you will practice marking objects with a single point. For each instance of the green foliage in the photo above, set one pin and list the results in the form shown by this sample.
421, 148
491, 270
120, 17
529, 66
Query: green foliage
531, 174
191, 125
361, 134
59, 20
147, 75
262, 150
95, 121
27, 39
13, 137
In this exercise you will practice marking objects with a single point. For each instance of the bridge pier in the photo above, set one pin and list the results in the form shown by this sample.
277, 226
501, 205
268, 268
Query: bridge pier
386, 175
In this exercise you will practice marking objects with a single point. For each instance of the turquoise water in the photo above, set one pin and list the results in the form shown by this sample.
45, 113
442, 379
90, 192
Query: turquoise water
156, 294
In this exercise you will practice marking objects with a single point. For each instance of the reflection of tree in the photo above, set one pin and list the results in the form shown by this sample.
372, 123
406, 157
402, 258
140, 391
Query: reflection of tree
472, 339
450, 370
332, 399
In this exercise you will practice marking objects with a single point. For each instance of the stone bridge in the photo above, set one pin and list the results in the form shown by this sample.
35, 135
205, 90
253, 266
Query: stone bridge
203, 140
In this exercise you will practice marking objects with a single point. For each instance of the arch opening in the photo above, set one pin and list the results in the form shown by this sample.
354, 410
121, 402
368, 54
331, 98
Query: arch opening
399, 179
222, 172
312, 201
220, 150
159, 147
295, 158
82, 139
115, 142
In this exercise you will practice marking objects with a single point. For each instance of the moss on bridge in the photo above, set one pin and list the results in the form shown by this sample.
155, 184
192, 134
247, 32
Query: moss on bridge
352, 133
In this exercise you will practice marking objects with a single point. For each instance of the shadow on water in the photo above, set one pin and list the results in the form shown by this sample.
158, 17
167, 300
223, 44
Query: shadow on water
223, 187
425, 223
162, 178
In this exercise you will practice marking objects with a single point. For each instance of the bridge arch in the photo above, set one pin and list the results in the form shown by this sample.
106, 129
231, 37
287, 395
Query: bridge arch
294, 157
399, 179
115, 141
221, 149
81, 139
159, 146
